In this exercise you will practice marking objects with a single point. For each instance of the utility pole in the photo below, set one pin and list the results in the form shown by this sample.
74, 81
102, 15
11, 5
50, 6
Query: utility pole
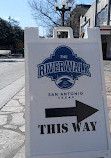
96, 13
109, 7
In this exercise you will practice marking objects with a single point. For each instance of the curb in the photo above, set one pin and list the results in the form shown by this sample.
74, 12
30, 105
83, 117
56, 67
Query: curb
9, 91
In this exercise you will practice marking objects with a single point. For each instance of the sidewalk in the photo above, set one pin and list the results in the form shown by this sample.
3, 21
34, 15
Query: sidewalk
12, 122
12, 125
107, 74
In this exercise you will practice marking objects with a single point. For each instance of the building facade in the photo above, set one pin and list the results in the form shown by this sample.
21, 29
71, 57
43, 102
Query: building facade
99, 15
75, 15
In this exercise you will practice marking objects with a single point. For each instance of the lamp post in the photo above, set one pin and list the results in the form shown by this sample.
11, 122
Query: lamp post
63, 9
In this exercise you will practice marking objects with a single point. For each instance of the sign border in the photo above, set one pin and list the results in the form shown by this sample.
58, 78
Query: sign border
32, 35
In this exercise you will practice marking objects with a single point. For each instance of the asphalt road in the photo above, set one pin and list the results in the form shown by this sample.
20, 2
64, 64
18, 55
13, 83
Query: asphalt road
11, 78
10, 71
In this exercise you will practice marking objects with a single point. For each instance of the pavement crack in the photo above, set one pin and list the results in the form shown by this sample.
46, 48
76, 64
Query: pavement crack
9, 119
17, 130
14, 152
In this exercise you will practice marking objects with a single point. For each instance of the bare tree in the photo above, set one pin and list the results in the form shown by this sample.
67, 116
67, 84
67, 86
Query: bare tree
44, 12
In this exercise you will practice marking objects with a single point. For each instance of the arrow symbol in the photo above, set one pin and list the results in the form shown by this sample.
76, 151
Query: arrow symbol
82, 111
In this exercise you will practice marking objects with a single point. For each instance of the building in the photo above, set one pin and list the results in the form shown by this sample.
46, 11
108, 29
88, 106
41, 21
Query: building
78, 11
99, 15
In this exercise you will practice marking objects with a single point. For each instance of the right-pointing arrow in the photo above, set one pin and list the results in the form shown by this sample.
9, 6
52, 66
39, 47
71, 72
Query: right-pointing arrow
82, 111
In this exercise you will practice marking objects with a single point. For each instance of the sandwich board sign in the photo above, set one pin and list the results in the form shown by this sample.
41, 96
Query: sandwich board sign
66, 115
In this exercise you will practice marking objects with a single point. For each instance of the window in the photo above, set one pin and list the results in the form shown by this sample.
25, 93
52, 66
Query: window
106, 11
86, 26
98, 1
102, 16
98, 19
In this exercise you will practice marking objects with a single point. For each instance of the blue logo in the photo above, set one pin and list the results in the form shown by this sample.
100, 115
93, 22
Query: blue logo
63, 67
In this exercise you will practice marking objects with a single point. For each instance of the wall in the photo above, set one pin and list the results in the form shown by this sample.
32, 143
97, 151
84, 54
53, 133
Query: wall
90, 14
75, 18
101, 5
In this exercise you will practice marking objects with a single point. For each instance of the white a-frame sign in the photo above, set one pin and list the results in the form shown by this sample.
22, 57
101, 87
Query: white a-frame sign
66, 114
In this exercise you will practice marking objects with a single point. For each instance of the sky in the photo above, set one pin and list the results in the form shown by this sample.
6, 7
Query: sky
20, 11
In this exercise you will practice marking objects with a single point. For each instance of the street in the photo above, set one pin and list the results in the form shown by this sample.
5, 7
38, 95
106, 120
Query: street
11, 81
11, 78
10, 71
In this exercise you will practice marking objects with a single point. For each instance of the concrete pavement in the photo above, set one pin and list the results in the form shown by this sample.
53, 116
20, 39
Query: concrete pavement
9, 91
10, 71
107, 74
11, 78
12, 122
12, 127
12, 104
